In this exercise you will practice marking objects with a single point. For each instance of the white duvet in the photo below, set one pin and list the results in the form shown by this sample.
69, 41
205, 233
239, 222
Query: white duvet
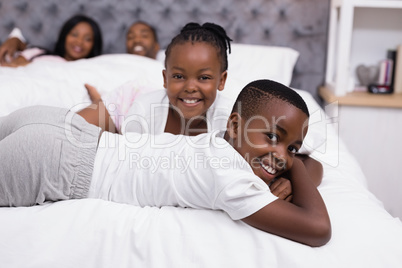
95, 233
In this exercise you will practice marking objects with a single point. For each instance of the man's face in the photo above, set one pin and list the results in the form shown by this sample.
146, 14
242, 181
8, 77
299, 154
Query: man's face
141, 41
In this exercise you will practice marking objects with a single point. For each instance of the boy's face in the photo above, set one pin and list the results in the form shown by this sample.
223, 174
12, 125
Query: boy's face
140, 40
192, 78
269, 141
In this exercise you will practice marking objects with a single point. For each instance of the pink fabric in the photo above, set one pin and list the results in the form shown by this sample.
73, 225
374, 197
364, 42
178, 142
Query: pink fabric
29, 53
53, 58
33, 54
119, 101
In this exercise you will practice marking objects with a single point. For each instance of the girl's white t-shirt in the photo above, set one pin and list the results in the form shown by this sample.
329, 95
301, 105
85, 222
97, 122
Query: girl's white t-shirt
134, 108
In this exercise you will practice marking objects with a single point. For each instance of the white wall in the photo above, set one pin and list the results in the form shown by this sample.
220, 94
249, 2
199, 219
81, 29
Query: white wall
373, 136
374, 32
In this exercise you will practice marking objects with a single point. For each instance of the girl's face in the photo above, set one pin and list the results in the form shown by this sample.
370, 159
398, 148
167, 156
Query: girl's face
192, 77
79, 42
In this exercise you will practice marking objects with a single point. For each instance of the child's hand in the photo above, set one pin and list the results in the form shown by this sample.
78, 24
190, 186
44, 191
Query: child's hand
93, 93
282, 188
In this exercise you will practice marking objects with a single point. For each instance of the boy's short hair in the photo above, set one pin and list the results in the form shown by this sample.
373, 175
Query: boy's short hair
260, 92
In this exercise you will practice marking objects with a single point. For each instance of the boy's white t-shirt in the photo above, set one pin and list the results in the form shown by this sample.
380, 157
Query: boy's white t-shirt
202, 172
148, 112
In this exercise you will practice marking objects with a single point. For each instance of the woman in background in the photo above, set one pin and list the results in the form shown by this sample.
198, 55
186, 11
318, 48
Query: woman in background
80, 37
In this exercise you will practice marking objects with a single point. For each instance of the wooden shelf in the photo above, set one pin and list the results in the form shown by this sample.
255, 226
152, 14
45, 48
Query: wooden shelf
363, 99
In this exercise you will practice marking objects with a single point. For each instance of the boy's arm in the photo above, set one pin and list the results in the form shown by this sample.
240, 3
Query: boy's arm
282, 187
313, 167
304, 220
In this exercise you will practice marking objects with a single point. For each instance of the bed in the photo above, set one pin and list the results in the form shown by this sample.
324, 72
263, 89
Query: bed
96, 233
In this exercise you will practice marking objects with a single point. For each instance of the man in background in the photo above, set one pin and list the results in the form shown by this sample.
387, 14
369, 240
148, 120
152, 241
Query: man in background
141, 39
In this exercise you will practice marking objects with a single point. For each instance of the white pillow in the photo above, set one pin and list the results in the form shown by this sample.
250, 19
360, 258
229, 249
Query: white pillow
268, 62
252, 62
160, 56
317, 131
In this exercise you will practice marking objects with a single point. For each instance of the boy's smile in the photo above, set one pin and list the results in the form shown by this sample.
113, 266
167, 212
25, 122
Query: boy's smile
270, 140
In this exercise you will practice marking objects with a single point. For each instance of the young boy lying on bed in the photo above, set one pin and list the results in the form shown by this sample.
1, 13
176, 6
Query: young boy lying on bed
52, 154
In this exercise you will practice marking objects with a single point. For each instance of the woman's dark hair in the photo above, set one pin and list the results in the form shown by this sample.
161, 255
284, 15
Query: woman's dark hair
96, 50
209, 33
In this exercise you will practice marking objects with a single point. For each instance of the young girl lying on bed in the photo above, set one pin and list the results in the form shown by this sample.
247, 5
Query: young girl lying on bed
80, 37
195, 70
52, 154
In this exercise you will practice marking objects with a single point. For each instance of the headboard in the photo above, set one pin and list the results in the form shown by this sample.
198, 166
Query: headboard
298, 24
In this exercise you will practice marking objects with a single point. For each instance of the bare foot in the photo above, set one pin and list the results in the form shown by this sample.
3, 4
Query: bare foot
93, 93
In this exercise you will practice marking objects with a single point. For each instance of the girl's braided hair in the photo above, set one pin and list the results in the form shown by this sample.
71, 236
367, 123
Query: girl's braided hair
209, 33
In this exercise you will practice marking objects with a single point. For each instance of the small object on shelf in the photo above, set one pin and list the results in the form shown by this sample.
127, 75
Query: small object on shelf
391, 54
367, 74
385, 77
380, 89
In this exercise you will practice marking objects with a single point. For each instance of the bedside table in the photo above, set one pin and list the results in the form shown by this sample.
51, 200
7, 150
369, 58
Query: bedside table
371, 127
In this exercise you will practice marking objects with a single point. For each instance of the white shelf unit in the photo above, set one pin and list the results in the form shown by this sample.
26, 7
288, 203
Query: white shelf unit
360, 32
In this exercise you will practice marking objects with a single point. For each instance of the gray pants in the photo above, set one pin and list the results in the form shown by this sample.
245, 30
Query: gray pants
46, 154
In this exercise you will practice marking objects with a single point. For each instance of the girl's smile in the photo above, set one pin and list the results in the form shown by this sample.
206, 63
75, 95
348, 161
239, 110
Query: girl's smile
191, 102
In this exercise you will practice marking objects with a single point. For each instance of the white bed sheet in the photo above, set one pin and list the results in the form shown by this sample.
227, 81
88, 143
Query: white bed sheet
95, 233
62, 83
